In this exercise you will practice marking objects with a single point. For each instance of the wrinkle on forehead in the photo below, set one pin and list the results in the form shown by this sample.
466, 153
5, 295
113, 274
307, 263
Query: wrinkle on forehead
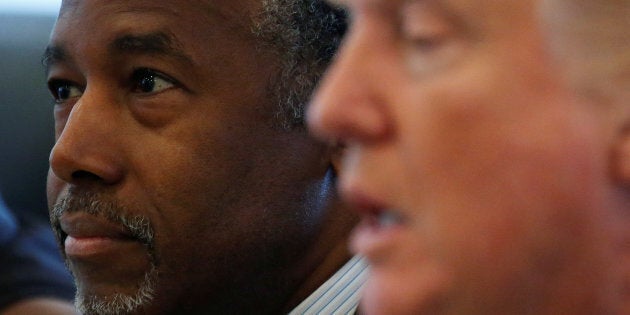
236, 13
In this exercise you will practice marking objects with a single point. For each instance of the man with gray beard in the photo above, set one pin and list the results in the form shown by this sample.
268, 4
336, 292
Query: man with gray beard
183, 180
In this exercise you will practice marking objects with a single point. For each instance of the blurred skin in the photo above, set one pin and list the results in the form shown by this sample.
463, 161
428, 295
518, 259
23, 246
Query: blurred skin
40, 306
591, 42
168, 173
484, 185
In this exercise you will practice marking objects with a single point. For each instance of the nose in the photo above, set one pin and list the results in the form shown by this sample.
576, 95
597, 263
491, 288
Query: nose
86, 147
348, 105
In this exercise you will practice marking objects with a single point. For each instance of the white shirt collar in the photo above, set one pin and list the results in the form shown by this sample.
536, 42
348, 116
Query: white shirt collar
338, 295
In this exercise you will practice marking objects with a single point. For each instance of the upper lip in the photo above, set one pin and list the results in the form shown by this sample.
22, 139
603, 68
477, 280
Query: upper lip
373, 210
84, 225
364, 204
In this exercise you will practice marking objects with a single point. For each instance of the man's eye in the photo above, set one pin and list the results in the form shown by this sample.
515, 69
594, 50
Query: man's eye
150, 81
425, 44
430, 36
63, 91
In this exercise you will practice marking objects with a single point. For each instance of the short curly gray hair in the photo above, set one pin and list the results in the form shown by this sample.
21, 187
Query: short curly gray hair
305, 35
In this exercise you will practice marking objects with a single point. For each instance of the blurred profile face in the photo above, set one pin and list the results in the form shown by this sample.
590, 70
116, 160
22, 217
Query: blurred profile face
170, 188
483, 186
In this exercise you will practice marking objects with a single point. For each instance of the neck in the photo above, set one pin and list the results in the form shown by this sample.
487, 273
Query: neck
329, 253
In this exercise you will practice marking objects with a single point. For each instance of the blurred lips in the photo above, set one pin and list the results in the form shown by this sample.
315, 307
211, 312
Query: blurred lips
379, 228
377, 233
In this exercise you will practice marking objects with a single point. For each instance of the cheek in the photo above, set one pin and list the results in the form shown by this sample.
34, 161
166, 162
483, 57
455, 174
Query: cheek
54, 187
184, 173
500, 182
193, 193
194, 157
467, 143
409, 283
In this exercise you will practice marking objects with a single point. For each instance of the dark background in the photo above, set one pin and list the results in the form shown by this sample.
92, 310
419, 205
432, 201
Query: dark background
26, 113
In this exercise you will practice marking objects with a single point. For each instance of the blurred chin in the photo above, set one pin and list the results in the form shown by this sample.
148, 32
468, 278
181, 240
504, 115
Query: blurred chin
402, 295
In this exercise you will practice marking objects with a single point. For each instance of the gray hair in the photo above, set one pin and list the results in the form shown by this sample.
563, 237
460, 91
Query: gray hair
305, 35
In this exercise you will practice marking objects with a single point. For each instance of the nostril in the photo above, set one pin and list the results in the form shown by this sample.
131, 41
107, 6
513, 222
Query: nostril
84, 175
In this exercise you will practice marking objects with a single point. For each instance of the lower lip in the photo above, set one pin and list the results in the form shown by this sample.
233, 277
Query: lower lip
369, 240
89, 246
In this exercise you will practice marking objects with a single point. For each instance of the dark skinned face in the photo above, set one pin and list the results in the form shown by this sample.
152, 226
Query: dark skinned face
170, 189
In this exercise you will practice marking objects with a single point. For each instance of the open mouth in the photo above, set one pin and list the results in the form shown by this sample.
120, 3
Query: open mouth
386, 219
381, 218
379, 231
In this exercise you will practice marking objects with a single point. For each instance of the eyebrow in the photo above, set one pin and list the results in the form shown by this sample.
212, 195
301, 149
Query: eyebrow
53, 54
155, 43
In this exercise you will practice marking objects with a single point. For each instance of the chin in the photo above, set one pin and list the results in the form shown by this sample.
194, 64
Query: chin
134, 302
400, 296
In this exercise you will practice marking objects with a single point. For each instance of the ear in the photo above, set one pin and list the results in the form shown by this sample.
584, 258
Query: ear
621, 158
624, 260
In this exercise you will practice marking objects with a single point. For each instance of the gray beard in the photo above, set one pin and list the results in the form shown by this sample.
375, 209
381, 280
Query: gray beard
118, 303
98, 204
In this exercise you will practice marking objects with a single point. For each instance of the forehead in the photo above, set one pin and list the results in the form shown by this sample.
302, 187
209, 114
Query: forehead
475, 13
217, 6
187, 25
231, 13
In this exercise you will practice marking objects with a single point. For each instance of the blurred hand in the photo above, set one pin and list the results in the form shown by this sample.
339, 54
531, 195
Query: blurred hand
40, 306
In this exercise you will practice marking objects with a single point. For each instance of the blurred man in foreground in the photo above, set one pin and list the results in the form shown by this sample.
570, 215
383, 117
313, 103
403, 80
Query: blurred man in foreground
182, 180
485, 187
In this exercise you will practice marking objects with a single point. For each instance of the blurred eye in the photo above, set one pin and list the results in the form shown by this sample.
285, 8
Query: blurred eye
421, 27
149, 81
429, 37
62, 90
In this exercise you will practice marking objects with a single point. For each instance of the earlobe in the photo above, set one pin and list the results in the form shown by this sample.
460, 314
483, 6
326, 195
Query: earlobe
622, 157
621, 168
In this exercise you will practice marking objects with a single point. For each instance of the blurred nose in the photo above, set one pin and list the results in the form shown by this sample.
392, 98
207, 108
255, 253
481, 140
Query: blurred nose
86, 148
348, 106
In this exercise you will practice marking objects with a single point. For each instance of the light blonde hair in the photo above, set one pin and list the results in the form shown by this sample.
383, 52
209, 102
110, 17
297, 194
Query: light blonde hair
591, 38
